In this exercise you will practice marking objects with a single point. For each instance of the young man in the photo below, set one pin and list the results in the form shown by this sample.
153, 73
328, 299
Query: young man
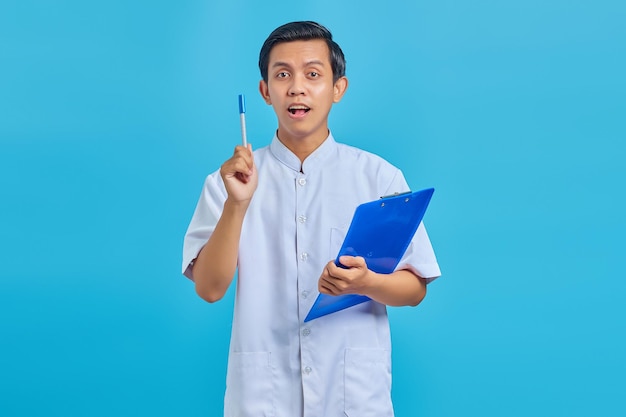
278, 215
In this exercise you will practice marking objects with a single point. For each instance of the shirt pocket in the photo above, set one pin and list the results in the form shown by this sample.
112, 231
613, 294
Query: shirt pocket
250, 385
337, 236
367, 383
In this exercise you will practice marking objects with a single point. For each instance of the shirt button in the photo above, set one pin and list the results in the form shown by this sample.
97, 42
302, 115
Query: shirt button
304, 256
306, 332
302, 219
307, 370
302, 181
304, 294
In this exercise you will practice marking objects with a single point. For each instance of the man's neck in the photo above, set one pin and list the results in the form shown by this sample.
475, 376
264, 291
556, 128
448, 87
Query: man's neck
305, 146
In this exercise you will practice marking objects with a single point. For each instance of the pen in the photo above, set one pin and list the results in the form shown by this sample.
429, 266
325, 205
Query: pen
242, 117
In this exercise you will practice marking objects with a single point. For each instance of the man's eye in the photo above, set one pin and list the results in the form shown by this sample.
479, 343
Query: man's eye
314, 74
282, 75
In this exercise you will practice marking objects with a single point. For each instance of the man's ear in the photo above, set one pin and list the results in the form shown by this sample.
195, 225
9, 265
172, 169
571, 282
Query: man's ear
265, 91
339, 89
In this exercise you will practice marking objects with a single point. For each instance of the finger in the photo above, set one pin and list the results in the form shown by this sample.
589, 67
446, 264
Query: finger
246, 151
334, 270
234, 172
245, 155
249, 160
237, 164
327, 288
328, 285
323, 290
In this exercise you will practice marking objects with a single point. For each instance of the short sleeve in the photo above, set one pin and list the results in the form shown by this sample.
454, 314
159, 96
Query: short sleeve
419, 257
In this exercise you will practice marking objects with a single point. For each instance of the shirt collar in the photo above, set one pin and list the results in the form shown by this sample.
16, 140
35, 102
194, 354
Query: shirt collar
312, 162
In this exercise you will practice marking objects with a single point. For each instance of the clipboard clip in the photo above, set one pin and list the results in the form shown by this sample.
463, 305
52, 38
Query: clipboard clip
395, 194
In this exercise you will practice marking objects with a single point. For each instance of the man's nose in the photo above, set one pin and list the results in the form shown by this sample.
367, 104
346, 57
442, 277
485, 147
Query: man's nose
297, 86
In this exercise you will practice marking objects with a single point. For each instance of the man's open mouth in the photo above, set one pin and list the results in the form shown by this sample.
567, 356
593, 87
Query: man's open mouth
298, 110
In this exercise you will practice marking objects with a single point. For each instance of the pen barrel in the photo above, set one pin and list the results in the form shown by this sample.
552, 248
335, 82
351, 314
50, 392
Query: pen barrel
244, 139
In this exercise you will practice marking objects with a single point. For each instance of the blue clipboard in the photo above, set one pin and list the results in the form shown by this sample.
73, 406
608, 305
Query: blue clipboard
381, 232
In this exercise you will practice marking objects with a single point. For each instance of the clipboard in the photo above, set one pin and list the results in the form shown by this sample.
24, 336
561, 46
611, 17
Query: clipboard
380, 232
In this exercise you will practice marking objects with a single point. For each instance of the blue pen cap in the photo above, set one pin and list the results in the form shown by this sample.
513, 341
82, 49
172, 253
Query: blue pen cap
242, 103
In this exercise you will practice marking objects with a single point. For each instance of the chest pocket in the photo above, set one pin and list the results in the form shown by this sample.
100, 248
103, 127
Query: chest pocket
367, 383
337, 237
250, 385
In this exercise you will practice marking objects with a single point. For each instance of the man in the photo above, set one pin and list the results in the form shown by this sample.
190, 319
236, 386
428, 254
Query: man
278, 215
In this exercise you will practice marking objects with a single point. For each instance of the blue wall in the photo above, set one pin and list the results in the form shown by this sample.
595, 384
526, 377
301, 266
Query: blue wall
113, 112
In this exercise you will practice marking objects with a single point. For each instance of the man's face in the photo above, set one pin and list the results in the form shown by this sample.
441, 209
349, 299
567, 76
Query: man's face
300, 88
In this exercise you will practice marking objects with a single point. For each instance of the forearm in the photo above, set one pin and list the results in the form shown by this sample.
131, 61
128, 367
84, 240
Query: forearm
215, 266
401, 288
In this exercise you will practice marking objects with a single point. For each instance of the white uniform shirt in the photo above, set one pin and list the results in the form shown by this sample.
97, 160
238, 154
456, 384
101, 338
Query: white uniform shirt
279, 366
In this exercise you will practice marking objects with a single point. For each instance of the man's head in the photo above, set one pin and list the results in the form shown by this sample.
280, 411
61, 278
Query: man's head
303, 76
303, 31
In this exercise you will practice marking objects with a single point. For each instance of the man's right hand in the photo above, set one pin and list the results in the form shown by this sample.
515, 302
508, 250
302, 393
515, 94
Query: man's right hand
240, 175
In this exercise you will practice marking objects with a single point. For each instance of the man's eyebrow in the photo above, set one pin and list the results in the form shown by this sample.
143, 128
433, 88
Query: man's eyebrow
280, 64
315, 62
307, 64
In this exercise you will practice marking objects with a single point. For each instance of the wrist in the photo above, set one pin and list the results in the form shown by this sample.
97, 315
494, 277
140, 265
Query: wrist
372, 285
236, 206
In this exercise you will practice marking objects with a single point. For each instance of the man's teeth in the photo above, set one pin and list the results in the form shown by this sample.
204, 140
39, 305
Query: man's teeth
293, 109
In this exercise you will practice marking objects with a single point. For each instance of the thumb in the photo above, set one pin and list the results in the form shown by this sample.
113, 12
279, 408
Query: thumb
352, 261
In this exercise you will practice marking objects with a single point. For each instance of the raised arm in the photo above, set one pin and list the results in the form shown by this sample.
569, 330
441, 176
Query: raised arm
214, 268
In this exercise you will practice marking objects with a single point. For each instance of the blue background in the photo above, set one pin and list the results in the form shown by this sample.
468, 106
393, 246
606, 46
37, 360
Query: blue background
113, 112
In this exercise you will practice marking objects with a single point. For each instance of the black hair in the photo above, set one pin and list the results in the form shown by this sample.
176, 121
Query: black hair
302, 31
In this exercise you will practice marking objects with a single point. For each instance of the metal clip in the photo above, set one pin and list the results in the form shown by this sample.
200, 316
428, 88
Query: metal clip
396, 194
